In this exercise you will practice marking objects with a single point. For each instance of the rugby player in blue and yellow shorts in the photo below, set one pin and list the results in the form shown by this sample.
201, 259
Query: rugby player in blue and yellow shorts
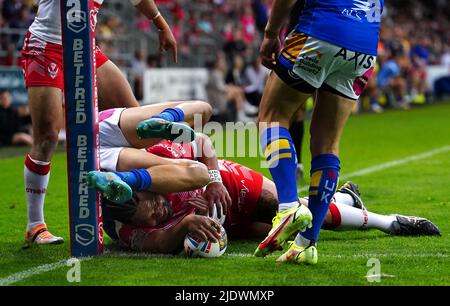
330, 55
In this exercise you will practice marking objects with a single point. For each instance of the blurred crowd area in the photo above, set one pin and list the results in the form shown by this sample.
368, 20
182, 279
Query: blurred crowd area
224, 36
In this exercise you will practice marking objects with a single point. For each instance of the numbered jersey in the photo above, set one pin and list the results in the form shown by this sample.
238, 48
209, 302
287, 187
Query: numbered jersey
351, 24
47, 23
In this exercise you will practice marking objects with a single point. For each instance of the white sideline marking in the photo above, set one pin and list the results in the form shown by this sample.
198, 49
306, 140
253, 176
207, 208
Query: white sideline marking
17, 277
368, 255
362, 255
14, 278
390, 164
379, 276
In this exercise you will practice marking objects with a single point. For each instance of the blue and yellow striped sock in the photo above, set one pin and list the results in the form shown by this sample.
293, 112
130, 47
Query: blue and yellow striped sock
324, 180
279, 151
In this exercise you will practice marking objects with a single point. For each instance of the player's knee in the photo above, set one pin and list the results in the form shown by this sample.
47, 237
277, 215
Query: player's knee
46, 138
273, 114
205, 109
200, 175
43, 148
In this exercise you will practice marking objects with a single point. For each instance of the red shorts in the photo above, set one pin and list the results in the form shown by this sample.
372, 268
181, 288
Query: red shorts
42, 62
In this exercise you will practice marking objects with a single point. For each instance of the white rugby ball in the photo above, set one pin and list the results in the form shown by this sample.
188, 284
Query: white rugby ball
195, 247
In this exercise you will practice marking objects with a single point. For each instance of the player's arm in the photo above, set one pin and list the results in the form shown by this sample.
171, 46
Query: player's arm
166, 38
271, 45
216, 192
171, 240
280, 11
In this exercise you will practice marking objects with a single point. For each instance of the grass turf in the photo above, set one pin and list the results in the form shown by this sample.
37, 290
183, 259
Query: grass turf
417, 188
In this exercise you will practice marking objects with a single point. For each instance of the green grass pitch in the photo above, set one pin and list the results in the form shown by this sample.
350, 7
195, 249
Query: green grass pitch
418, 187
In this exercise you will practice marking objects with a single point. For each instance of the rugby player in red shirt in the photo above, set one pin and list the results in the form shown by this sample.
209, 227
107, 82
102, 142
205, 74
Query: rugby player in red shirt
42, 65
158, 223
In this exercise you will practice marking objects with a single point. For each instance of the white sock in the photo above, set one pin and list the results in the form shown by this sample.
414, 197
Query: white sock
36, 174
344, 198
285, 206
350, 218
302, 241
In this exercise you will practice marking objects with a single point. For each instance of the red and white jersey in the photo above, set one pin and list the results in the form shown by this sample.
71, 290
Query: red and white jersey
47, 23
127, 232
168, 149
244, 185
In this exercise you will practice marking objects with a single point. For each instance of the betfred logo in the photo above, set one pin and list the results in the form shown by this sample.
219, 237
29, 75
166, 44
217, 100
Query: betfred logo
76, 19
84, 234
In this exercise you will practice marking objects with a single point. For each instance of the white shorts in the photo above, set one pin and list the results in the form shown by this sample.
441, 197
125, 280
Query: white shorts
112, 140
317, 62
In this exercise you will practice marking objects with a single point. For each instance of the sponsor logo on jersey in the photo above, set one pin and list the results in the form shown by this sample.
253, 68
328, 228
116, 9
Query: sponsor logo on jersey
53, 70
309, 61
242, 194
358, 58
93, 18
369, 10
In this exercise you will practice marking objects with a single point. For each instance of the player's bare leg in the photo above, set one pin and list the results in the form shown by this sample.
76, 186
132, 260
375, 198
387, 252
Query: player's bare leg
180, 175
130, 118
330, 115
278, 104
348, 213
331, 112
142, 171
113, 89
296, 129
46, 113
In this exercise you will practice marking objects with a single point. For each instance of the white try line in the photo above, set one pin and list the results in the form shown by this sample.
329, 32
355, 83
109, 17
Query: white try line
17, 277
367, 255
390, 164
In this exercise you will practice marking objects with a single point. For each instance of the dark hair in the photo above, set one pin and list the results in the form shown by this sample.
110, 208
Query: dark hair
266, 207
123, 212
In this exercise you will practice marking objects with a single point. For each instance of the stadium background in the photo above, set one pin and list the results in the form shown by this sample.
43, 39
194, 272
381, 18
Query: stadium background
225, 34
415, 34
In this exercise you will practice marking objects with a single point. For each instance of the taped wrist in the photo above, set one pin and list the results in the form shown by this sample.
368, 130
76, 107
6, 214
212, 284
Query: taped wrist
214, 176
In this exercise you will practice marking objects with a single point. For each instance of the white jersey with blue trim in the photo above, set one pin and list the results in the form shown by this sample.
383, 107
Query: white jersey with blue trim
351, 24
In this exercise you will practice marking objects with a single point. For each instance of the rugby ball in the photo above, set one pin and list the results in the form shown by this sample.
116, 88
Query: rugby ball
195, 247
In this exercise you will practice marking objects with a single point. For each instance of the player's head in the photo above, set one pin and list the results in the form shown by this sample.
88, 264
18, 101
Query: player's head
144, 209
266, 207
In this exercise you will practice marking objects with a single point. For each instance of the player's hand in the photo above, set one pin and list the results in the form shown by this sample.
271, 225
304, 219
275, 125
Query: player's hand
270, 48
216, 194
203, 227
167, 42
200, 204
